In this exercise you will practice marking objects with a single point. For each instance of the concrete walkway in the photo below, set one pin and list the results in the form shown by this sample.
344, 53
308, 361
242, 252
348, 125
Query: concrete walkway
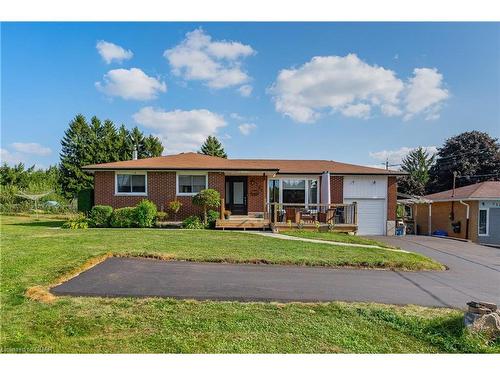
474, 275
293, 238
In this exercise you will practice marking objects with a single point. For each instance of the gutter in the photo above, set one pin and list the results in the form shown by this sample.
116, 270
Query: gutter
276, 171
467, 221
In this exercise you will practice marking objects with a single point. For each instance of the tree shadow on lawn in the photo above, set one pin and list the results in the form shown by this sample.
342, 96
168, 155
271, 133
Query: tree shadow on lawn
40, 223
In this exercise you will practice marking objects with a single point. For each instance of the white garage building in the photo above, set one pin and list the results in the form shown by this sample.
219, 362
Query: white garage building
370, 194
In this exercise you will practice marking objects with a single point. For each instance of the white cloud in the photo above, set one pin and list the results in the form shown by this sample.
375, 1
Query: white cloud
354, 88
246, 129
425, 93
31, 148
360, 110
179, 130
236, 116
245, 90
10, 158
110, 51
131, 84
396, 156
216, 63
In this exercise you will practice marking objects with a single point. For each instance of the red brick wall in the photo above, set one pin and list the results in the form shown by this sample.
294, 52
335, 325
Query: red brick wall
104, 191
392, 187
161, 190
256, 193
337, 189
217, 181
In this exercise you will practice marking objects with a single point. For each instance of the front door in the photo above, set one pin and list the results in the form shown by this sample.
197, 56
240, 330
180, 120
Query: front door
236, 195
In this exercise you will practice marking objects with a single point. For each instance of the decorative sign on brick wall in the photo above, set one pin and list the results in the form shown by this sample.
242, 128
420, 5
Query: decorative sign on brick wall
254, 188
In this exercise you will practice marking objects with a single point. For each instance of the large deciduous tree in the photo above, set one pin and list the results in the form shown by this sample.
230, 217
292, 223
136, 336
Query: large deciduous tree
98, 142
474, 156
417, 164
213, 147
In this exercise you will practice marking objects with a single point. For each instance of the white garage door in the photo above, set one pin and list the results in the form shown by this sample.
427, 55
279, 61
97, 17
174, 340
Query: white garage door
371, 217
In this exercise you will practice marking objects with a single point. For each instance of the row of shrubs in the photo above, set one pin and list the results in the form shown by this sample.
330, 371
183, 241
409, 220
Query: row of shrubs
133, 217
143, 215
195, 222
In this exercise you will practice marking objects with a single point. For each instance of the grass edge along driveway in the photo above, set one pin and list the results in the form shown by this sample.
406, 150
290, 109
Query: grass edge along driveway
34, 253
336, 237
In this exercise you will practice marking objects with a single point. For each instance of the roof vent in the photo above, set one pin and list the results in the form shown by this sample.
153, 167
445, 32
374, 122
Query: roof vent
134, 154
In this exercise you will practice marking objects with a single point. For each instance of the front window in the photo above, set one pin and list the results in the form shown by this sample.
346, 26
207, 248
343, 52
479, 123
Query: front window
274, 191
294, 191
313, 191
483, 222
191, 184
131, 183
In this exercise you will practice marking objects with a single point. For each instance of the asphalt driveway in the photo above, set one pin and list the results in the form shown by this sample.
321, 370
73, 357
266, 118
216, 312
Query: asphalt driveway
474, 273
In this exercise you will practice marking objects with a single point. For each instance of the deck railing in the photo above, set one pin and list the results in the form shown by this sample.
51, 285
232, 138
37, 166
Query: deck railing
333, 214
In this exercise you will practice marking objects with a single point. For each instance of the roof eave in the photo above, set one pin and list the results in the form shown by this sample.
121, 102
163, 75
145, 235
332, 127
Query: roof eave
455, 199
93, 169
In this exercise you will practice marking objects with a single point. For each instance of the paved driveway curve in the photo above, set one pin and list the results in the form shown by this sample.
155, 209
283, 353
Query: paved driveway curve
474, 274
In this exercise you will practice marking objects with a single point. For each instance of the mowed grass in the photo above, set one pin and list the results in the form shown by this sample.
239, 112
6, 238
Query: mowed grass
336, 237
74, 247
35, 253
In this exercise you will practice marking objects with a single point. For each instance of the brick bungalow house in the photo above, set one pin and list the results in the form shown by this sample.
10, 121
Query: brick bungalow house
286, 192
469, 212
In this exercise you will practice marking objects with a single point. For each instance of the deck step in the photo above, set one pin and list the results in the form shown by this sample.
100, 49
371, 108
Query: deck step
242, 224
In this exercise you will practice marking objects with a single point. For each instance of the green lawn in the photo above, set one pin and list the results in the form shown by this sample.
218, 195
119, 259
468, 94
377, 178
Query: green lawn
73, 247
335, 237
35, 253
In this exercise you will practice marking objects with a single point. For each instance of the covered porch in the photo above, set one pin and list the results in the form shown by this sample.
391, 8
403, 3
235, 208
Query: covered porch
267, 200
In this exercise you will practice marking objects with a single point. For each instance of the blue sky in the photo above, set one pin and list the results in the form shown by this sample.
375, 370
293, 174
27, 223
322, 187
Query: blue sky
353, 92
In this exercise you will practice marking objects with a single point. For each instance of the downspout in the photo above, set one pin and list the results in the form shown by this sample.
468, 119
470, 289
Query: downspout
429, 223
467, 219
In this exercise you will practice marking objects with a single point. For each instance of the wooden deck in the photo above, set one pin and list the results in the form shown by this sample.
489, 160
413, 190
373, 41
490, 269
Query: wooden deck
242, 222
246, 222
342, 228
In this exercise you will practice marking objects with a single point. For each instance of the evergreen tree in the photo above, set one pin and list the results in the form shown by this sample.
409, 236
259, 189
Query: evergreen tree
77, 151
475, 156
17, 175
109, 142
95, 143
124, 145
417, 163
136, 139
147, 147
213, 147
152, 147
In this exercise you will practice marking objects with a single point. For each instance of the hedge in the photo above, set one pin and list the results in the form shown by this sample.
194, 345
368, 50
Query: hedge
100, 216
123, 218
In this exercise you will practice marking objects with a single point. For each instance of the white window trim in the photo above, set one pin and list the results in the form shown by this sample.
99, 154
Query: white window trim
306, 178
188, 173
487, 209
144, 173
